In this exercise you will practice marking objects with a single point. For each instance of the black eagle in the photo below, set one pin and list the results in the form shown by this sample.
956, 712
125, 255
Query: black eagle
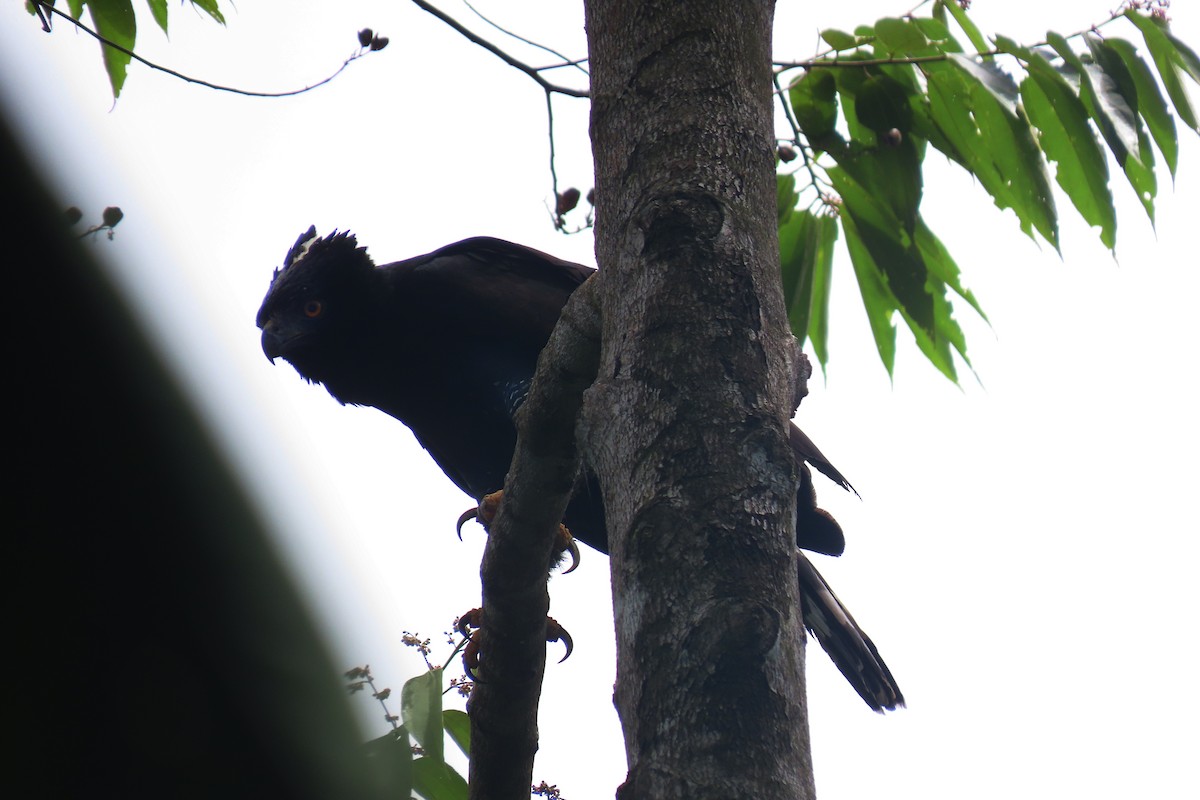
447, 343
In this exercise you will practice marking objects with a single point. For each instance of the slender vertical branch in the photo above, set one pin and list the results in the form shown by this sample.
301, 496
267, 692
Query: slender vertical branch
504, 701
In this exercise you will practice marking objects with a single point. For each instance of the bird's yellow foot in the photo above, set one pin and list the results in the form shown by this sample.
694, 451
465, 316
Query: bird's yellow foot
474, 619
486, 511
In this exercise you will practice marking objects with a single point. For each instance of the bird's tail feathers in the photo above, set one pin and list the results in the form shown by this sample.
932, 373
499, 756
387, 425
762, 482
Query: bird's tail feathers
851, 649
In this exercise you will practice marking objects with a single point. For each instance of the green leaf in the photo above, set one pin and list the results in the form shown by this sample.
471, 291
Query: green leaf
1067, 140
1119, 125
1009, 141
814, 102
903, 74
1151, 104
849, 82
990, 77
937, 347
877, 300
883, 154
890, 243
1110, 112
391, 763
1004, 44
882, 104
968, 27
158, 8
900, 36
1165, 56
924, 127
938, 34
839, 40
892, 174
1113, 73
942, 267
796, 270
1114, 67
994, 138
75, 7
1185, 57
939, 11
421, 710
806, 260
210, 7
1120, 119
785, 196
436, 780
950, 113
114, 20
897, 272
458, 726
826, 234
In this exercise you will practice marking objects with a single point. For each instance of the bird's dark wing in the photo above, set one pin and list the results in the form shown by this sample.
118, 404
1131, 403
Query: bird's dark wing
494, 290
806, 450
483, 258
465, 326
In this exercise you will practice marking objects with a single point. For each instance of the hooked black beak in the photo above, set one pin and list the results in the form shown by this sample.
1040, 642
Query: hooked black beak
272, 344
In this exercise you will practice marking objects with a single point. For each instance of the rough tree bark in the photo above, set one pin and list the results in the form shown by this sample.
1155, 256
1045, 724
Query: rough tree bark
686, 424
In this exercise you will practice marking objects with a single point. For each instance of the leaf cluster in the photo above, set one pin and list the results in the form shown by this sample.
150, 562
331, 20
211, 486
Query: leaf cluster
866, 114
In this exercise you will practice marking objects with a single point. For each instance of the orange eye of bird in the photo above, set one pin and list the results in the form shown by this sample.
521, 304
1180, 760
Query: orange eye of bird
312, 309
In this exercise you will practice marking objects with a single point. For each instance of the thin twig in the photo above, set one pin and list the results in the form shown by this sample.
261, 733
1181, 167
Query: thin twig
37, 6
871, 62
532, 72
567, 62
573, 63
553, 169
41, 4
800, 146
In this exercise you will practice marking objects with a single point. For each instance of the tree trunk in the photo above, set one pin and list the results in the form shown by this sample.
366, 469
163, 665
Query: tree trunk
687, 423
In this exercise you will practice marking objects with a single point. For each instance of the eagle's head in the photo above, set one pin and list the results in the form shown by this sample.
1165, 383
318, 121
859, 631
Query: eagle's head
312, 310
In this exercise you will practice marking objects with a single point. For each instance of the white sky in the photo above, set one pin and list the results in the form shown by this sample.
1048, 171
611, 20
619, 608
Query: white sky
1024, 551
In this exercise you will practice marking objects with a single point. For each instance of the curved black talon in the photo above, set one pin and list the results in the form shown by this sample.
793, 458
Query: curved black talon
564, 542
464, 518
486, 511
556, 632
